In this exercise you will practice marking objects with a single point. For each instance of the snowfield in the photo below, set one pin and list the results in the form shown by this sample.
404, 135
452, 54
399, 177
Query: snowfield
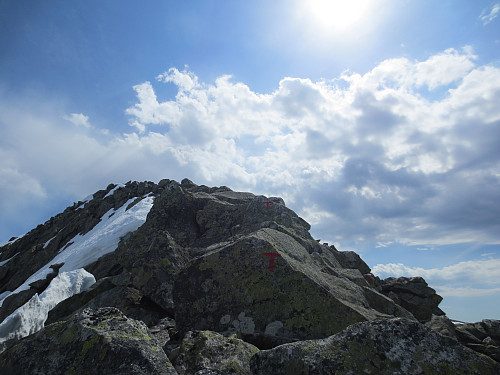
30, 317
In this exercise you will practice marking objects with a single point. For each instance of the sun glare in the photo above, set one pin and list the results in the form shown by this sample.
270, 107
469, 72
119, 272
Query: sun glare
338, 15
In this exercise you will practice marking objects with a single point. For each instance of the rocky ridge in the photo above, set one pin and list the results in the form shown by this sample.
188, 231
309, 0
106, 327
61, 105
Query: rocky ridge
221, 282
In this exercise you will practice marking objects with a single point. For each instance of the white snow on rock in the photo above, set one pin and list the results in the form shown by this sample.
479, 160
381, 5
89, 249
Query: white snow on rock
102, 239
112, 191
48, 242
31, 317
6, 260
14, 240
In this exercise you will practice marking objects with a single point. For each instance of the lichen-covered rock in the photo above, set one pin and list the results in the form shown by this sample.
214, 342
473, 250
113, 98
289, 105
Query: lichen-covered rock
102, 341
211, 351
233, 289
379, 347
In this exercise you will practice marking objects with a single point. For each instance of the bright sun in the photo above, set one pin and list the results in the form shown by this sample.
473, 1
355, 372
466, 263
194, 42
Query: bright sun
338, 15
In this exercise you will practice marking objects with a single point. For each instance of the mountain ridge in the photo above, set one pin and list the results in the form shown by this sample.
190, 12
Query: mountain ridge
183, 259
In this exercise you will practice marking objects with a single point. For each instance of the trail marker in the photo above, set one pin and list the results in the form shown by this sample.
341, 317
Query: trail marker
271, 260
267, 203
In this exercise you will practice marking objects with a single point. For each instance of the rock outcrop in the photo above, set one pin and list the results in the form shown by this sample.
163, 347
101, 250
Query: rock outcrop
382, 346
216, 280
102, 341
413, 294
483, 337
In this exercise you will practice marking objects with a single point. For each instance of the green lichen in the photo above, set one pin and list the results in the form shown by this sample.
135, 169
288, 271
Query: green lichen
103, 354
68, 336
88, 345
165, 262
232, 366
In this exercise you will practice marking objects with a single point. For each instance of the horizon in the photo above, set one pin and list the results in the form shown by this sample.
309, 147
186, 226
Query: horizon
379, 125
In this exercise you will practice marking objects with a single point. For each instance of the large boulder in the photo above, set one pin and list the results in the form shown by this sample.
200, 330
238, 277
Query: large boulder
206, 352
102, 341
233, 287
414, 295
379, 347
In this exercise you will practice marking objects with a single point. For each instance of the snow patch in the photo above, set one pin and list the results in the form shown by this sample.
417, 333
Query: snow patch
112, 191
102, 239
47, 243
86, 200
31, 317
6, 260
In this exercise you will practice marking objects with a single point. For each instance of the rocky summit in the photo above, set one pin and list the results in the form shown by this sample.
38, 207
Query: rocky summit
179, 278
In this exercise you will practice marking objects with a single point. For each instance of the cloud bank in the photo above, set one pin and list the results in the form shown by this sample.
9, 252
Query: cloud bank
408, 152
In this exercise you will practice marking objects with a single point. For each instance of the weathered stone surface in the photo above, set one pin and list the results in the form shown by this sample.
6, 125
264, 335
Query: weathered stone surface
382, 346
414, 295
231, 289
351, 260
482, 337
442, 325
102, 341
207, 352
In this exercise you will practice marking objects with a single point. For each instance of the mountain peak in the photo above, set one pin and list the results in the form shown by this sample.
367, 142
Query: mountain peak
181, 259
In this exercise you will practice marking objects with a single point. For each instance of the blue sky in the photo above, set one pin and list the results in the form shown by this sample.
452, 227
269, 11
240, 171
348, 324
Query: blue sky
377, 123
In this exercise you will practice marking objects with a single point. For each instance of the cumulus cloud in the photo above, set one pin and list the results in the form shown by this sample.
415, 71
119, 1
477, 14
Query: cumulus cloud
490, 14
474, 278
474, 271
407, 152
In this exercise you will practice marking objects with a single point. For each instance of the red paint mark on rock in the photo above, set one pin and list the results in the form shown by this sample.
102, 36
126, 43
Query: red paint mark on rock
267, 203
271, 259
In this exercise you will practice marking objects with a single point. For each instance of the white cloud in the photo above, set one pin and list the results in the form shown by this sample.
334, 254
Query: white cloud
450, 291
489, 15
474, 271
78, 119
369, 157
474, 278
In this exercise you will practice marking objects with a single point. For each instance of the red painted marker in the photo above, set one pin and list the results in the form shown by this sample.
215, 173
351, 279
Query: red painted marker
271, 259
267, 203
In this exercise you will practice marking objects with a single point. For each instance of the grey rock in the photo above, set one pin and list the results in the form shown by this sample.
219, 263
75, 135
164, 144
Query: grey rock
414, 295
102, 341
382, 346
206, 352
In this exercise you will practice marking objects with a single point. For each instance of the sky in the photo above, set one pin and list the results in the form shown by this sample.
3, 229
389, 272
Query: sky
378, 122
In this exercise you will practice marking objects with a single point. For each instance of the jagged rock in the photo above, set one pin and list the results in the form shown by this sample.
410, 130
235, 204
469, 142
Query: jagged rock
102, 341
349, 259
482, 337
206, 352
232, 289
414, 295
382, 346
442, 325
